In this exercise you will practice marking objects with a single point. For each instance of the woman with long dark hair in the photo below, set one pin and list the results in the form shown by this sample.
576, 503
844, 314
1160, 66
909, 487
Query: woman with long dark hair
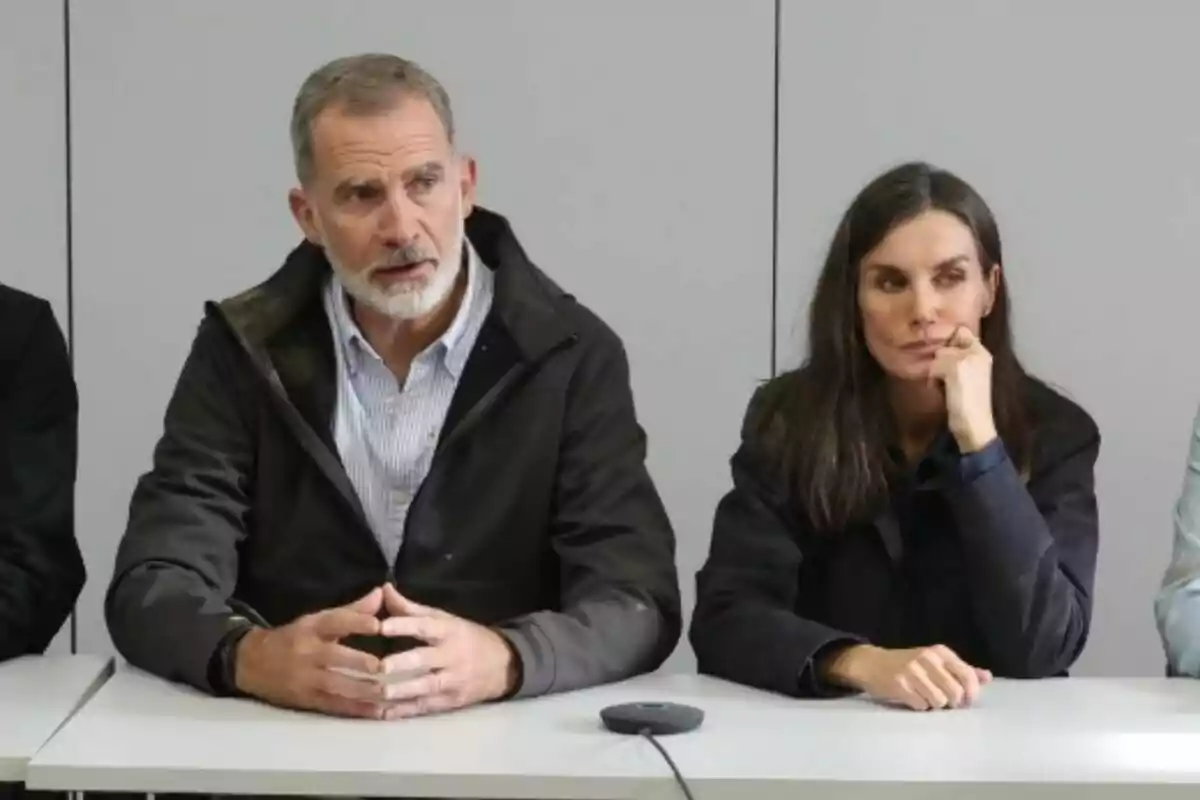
911, 513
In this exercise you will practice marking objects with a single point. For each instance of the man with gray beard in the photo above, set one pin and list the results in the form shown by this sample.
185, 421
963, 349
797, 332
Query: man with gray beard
404, 474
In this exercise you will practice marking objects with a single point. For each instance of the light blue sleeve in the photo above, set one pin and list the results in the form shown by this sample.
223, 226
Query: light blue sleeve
1177, 607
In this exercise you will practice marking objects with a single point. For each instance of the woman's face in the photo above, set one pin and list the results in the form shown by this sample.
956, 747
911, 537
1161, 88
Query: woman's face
919, 284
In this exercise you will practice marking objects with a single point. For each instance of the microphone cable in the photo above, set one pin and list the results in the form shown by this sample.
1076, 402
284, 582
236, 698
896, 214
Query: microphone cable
679, 779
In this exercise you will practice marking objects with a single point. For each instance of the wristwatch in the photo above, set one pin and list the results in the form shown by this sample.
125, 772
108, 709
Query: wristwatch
223, 667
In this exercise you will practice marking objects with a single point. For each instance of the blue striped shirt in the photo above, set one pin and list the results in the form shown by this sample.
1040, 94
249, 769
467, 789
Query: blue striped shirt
385, 432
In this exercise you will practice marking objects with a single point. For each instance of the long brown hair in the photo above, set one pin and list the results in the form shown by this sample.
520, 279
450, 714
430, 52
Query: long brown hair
829, 424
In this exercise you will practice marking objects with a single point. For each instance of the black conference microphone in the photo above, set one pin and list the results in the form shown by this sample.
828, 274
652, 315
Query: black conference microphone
651, 720
657, 719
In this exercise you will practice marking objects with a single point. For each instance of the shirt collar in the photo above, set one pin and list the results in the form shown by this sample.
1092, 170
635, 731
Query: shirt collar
454, 342
940, 459
453, 346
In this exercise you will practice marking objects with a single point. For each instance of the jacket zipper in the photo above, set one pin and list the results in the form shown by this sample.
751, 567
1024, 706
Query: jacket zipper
469, 421
309, 441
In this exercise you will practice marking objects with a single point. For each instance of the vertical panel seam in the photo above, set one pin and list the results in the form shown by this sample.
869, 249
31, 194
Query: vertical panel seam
66, 34
775, 195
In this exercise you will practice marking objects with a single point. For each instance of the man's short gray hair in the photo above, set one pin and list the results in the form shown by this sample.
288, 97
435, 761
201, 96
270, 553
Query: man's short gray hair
361, 85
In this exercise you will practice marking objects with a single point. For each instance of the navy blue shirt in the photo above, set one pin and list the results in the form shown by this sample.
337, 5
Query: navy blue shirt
931, 593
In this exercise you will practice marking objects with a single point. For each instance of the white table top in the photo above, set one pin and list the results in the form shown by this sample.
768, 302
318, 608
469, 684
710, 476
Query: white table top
1057, 738
37, 694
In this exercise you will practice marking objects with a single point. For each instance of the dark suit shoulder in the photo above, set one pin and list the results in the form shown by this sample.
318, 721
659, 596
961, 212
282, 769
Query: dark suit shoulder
20, 313
1051, 408
590, 326
767, 413
14, 300
37, 386
765, 428
593, 332
1061, 426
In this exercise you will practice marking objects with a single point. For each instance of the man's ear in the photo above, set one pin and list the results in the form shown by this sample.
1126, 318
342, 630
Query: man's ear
302, 212
467, 176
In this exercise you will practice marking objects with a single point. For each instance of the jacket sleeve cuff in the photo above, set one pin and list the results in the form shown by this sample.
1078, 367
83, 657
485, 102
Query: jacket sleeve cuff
196, 666
535, 661
975, 465
221, 675
811, 683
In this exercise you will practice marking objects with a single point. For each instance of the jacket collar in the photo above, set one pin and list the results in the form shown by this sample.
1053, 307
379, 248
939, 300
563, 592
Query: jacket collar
532, 309
281, 323
933, 471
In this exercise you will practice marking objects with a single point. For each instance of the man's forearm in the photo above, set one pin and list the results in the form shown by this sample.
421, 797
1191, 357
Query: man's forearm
164, 619
597, 641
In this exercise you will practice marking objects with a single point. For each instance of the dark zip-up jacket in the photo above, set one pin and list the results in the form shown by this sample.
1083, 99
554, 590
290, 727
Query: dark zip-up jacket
538, 515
